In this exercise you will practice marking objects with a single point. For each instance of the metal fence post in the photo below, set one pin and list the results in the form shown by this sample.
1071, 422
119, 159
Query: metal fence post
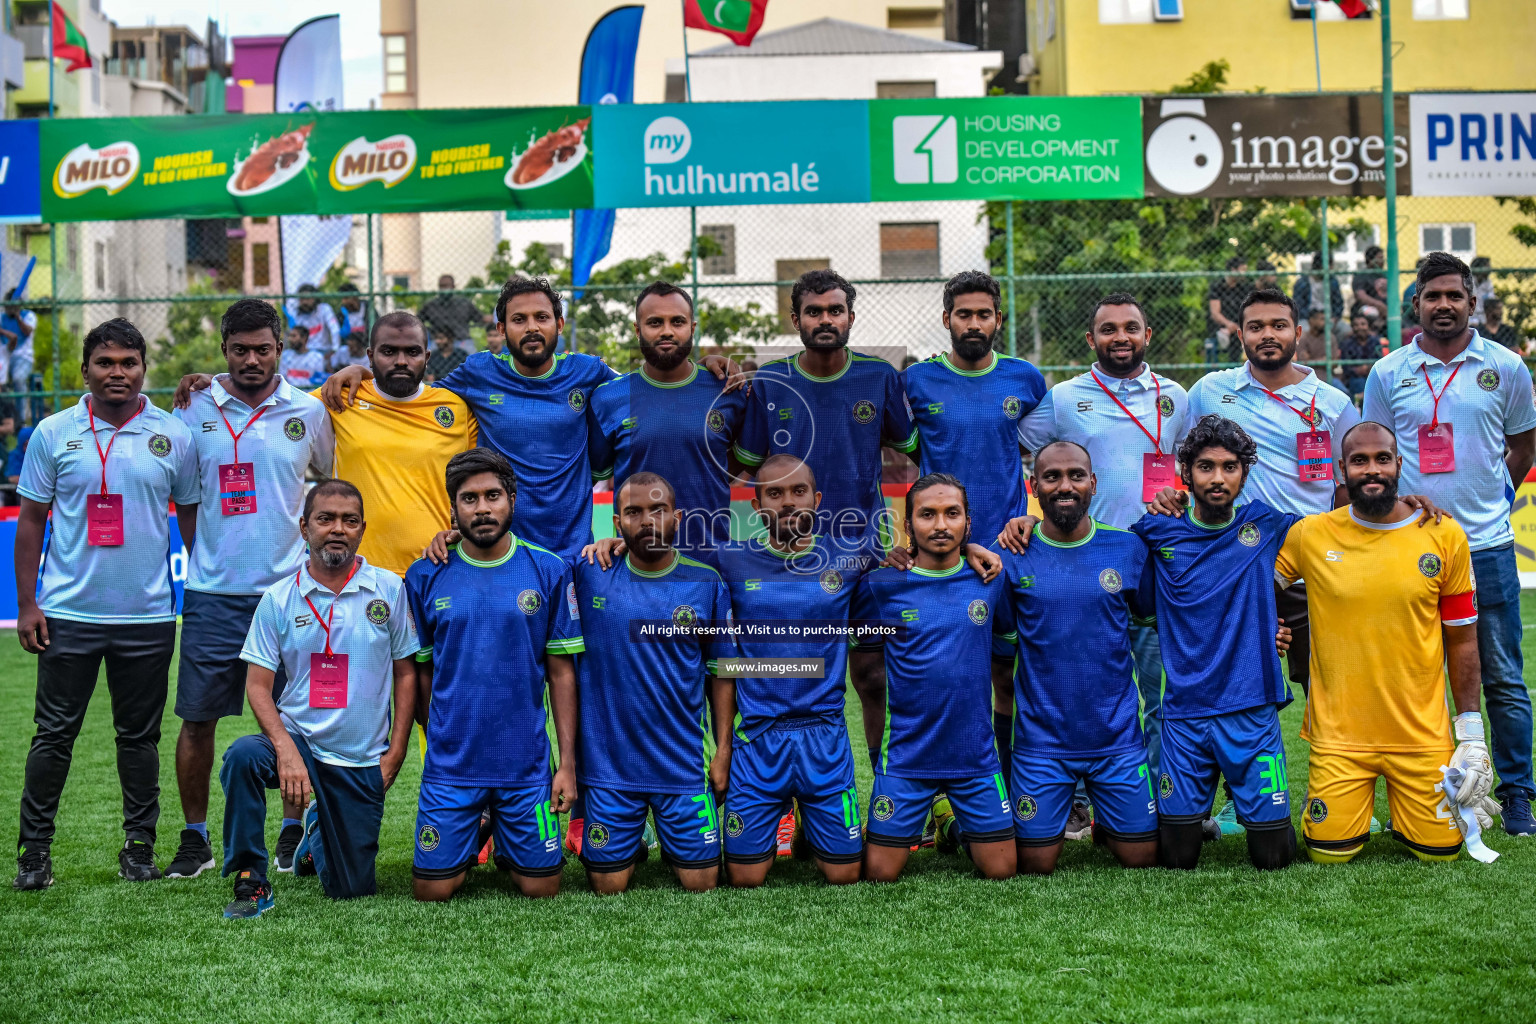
373, 300
1013, 330
1389, 133
53, 312
1325, 254
693, 253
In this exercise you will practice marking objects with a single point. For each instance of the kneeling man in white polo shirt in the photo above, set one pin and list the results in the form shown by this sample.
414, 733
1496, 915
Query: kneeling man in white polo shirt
340, 629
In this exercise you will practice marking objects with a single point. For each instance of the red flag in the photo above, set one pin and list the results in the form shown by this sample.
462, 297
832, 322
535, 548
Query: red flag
68, 41
737, 20
1354, 8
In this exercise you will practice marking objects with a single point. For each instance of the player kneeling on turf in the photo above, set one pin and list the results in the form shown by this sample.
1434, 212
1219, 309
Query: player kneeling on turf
934, 625
1072, 596
496, 621
332, 732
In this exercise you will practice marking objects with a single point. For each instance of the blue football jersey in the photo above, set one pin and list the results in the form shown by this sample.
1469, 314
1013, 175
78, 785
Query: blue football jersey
682, 431
540, 425
486, 627
938, 668
968, 425
1074, 685
837, 425
643, 721
807, 588
1215, 607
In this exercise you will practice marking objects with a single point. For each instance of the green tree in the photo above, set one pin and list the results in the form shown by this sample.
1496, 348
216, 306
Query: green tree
191, 342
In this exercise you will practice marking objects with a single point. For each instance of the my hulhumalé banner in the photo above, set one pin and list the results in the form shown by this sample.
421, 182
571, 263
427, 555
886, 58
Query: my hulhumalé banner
307, 162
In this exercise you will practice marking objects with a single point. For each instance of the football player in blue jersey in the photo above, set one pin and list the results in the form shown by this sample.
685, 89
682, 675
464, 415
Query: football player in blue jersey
933, 629
487, 744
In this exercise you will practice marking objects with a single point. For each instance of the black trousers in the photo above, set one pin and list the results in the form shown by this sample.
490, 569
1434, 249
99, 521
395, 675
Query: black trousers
138, 661
1291, 605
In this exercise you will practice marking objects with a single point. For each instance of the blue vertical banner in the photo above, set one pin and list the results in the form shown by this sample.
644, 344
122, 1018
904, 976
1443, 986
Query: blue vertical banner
21, 198
607, 77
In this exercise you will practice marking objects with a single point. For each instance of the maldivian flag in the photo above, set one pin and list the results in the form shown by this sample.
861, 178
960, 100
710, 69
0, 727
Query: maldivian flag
1353, 8
68, 41
737, 20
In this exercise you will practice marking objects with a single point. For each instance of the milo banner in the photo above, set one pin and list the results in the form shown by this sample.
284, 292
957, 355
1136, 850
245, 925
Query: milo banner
332, 163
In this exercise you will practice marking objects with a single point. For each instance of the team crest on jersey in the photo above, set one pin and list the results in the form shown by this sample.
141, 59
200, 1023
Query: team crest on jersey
444, 416
160, 445
1317, 810
1110, 580
1165, 786
427, 839
1429, 565
716, 421
684, 615
863, 411
1026, 808
378, 611
882, 808
1488, 379
1248, 535
733, 824
597, 835
831, 581
576, 400
294, 429
529, 601
1165, 406
1011, 407
978, 611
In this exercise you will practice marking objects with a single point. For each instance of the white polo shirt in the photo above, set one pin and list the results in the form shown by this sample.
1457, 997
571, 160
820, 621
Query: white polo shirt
150, 464
371, 626
246, 554
1489, 398
1079, 410
1276, 479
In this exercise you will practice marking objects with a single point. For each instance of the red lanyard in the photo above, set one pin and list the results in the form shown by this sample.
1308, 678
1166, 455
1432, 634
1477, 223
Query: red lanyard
1157, 410
326, 623
234, 436
92, 414
1434, 419
1309, 417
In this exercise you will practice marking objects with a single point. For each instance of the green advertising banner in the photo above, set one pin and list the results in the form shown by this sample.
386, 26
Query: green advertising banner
1006, 147
270, 164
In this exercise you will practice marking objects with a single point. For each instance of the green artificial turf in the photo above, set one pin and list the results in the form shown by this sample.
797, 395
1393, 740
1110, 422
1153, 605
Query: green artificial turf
1384, 938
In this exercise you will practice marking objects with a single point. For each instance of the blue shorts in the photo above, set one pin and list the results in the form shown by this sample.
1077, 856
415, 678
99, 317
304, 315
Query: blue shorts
898, 807
1245, 746
805, 759
688, 827
448, 829
1119, 787
210, 677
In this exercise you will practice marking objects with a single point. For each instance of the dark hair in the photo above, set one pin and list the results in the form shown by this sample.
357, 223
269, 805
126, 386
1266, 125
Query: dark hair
250, 315
819, 282
1235, 262
1373, 250
1062, 441
303, 288
968, 282
642, 478
475, 461
659, 288
1218, 432
1344, 441
331, 486
1439, 264
1117, 299
1268, 297
525, 286
779, 459
346, 286
400, 319
932, 480
10, 293
116, 331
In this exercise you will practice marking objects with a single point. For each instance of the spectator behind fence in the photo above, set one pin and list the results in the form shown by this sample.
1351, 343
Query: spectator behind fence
1314, 342
445, 356
1369, 285
352, 313
1224, 306
354, 353
1308, 292
317, 318
301, 366
17, 326
455, 314
1495, 329
1267, 277
1360, 343
1482, 290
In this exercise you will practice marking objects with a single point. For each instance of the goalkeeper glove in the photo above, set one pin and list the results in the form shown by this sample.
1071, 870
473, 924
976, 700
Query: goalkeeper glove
1471, 756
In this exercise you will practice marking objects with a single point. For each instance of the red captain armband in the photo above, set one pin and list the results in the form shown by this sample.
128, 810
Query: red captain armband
1459, 609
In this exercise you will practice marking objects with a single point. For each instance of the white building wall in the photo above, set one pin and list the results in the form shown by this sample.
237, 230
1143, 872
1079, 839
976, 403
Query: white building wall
853, 76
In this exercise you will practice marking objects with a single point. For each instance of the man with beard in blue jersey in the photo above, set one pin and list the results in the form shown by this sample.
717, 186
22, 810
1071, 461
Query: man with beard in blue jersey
1075, 589
669, 418
487, 745
649, 660
933, 626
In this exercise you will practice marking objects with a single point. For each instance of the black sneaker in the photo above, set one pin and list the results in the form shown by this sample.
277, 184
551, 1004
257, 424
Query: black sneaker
136, 861
253, 897
193, 856
287, 842
1079, 823
34, 869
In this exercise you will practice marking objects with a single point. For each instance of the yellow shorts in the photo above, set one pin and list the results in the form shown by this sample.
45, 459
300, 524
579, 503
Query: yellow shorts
1341, 790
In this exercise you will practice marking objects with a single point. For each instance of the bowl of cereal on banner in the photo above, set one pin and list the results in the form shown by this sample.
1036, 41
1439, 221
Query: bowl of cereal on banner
550, 157
272, 164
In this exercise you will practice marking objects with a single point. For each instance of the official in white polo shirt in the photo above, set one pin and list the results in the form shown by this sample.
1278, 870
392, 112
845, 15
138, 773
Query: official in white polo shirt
107, 469
1461, 407
342, 631
255, 434
1131, 420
